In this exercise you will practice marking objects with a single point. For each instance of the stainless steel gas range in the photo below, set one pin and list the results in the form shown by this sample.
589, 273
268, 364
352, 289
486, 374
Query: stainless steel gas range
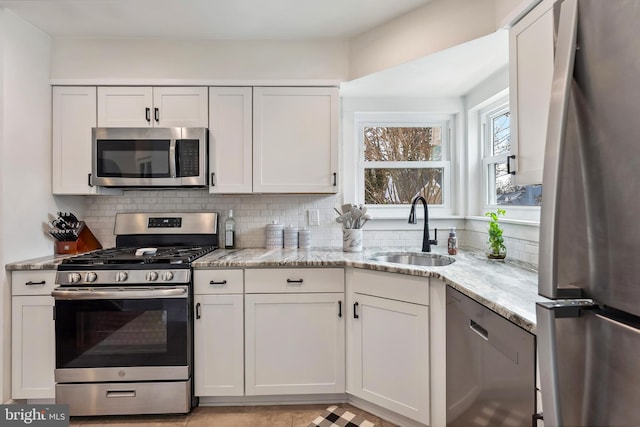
124, 317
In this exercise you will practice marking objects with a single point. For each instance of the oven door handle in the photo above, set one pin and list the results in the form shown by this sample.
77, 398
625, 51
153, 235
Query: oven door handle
139, 293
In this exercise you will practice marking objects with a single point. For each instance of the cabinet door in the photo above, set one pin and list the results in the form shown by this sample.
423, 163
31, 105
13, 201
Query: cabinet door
125, 107
218, 345
294, 343
531, 56
295, 140
230, 139
389, 355
74, 114
32, 347
180, 107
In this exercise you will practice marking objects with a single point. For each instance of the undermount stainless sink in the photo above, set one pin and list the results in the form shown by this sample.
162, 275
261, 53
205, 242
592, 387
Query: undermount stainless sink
418, 258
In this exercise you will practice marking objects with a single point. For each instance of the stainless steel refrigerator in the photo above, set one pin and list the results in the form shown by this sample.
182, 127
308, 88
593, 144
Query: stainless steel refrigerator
589, 337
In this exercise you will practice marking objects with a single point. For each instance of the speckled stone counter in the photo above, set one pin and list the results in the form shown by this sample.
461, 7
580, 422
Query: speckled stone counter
508, 288
42, 263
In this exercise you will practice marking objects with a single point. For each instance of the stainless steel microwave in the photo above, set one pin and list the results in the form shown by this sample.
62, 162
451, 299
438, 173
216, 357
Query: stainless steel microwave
149, 157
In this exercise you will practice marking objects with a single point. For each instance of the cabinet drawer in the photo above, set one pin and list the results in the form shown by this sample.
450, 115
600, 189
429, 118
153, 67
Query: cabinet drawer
261, 281
217, 282
33, 282
400, 287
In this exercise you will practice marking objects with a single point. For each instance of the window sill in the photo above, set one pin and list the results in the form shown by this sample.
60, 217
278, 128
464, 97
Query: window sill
400, 224
506, 221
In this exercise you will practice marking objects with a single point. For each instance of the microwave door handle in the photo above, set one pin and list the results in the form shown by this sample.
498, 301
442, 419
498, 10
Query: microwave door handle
173, 158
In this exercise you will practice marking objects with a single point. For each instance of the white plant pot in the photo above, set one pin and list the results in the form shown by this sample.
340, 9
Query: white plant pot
352, 240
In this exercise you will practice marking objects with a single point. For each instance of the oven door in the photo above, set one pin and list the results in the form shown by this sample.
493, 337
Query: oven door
122, 334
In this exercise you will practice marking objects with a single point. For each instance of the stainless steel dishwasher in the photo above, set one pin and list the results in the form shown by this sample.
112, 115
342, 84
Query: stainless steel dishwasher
490, 367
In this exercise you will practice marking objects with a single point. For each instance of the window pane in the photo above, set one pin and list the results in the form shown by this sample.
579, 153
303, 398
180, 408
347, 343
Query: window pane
506, 193
402, 143
501, 134
400, 186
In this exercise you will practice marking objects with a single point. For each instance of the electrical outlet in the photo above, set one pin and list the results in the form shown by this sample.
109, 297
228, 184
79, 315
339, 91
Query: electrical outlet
313, 217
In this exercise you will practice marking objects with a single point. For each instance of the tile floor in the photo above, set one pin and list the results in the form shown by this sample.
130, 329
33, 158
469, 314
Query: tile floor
236, 416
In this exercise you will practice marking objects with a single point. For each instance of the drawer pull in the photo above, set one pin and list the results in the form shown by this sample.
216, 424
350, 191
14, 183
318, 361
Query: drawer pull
294, 280
31, 283
214, 282
121, 393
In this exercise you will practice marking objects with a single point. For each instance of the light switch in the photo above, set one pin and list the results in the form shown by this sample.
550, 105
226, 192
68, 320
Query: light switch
313, 217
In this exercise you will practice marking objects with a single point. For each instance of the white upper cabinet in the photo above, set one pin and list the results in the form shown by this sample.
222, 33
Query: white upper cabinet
230, 139
295, 140
134, 106
531, 55
74, 114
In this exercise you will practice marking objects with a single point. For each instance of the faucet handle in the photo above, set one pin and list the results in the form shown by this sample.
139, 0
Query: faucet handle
435, 237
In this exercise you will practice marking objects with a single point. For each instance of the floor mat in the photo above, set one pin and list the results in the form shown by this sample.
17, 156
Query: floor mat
336, 416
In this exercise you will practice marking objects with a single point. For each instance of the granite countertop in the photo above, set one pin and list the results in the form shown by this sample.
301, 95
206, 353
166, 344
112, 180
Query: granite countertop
43, 263
507, 287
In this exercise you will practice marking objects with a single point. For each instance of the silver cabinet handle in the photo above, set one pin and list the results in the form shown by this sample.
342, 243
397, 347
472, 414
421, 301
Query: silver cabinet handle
558, 108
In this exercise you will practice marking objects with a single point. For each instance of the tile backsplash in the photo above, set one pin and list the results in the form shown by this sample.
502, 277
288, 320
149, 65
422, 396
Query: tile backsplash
254, 211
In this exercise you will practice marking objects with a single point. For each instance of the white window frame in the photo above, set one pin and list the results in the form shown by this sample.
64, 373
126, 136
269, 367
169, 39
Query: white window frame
446, 121
524, 213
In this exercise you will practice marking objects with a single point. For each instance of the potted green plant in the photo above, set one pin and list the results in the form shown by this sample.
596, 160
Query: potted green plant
497, 249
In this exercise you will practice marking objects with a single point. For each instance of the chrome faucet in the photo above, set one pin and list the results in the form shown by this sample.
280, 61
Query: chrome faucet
426, 241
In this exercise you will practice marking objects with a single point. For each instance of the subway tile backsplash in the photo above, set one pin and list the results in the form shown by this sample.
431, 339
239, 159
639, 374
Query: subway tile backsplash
254, 211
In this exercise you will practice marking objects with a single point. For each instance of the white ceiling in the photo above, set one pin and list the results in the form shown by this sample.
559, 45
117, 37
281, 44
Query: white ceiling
210, 19
452, 72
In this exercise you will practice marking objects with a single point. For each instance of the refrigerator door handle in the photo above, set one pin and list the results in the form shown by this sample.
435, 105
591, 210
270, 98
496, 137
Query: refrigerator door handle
546, 315
557, 123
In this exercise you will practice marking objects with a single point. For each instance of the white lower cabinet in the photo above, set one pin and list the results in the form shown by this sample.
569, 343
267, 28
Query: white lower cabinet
218, 333
294, 335
32, 335
388, 342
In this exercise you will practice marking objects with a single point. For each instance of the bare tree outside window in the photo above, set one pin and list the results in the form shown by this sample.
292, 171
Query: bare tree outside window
506, 192
395, 170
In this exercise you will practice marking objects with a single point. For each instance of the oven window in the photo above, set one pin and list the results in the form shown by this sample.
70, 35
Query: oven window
125, 332
133, 158
112, 333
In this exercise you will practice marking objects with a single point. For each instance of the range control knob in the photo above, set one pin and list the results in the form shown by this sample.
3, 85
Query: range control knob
91, 277
152, 276
121, 276
167, 275
74, 277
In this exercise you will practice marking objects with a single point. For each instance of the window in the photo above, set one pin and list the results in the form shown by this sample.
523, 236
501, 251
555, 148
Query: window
402, 158
499, 183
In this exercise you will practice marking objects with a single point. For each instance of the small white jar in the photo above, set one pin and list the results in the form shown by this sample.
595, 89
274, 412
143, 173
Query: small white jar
291, 237
274, 235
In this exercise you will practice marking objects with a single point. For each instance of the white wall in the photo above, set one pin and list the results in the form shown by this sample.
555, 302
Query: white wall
25, 156
438, 25
148, 61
